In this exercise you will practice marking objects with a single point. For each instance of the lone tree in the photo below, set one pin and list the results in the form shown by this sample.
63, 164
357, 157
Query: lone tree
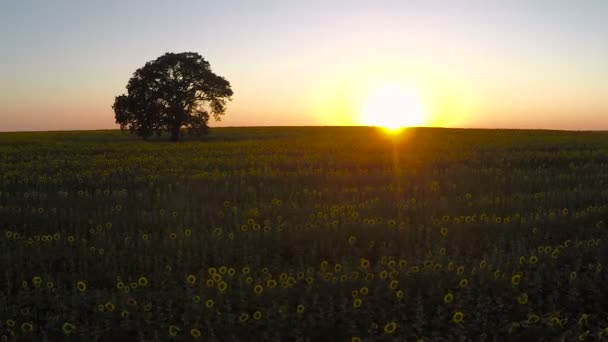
176, 90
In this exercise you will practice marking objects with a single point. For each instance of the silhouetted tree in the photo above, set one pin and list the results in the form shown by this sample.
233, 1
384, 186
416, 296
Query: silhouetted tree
176, 90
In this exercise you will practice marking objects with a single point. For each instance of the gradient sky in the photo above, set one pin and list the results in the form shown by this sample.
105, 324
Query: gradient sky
520, 64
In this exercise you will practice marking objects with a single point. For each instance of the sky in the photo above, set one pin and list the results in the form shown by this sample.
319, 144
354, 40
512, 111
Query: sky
499, 64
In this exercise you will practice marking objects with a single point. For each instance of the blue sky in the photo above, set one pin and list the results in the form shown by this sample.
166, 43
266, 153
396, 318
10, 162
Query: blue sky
541, 64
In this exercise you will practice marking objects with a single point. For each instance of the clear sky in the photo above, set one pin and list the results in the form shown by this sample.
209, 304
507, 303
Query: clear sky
520, 64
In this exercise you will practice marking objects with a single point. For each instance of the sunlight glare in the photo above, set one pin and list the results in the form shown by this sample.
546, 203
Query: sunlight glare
394, 107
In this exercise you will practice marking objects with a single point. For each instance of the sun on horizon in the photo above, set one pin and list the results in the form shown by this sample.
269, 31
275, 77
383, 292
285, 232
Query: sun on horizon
394, 107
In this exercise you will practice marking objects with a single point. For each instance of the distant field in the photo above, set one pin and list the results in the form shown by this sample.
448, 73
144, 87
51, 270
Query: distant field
304, 234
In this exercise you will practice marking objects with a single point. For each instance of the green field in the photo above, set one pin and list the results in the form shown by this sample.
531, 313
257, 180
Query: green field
304, 234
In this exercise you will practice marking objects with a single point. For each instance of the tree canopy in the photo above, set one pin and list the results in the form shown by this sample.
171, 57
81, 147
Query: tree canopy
173, 91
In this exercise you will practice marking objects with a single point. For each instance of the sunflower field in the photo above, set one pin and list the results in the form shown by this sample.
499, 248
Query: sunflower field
304, 234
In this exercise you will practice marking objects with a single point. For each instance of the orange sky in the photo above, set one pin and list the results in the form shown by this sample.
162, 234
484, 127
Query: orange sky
520, 64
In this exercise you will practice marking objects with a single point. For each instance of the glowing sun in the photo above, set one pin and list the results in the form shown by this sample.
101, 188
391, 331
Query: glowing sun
394, 107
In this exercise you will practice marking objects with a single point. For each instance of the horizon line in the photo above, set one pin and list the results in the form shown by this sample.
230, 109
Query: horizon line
327, 126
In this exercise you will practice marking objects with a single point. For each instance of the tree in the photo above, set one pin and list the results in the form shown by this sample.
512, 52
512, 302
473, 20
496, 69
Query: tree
176, 90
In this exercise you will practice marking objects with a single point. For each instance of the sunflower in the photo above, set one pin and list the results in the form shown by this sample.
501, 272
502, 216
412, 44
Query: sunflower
222, 286
257, 315
209, 303
457, 317
271, 283
109, 306
300, 309
258, 289
516, 279
448, 298
27, 327
352, 240
357, 303
195, 333
191, 279
68, 328
173, 330
390, 327
244, 317
142, 281
81, 286
533, 318
523, 299
324, 264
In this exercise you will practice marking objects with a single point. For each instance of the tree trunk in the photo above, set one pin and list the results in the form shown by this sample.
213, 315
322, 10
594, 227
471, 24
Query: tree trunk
175, 133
